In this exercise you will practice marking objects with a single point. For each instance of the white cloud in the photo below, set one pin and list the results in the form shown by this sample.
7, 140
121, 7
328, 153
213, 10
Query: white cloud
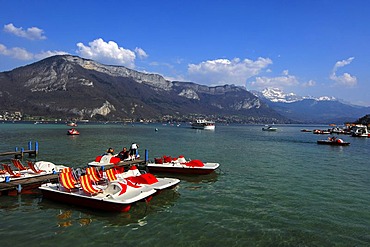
33, 33
16, 52
283, 81
224, 71
346, 79
108, 52
23, 54
310, 83
140, 53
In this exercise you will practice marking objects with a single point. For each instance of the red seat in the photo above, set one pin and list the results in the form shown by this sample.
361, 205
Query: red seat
18, 164
87, 186
31, 165
93, 173
10, 171
111, 174
67, 181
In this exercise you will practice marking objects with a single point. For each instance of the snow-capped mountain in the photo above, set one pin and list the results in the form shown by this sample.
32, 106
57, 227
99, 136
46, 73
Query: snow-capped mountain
278, 95
309, 109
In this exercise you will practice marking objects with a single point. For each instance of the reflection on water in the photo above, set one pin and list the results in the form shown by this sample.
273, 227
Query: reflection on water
19, 202
193, 178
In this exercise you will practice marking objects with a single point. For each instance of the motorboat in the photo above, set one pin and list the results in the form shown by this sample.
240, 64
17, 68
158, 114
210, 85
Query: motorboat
168, 164
337, 130
306, 130
73, 132
333, 141
321, 132
269, 128
360, 131
72, 124
203, 124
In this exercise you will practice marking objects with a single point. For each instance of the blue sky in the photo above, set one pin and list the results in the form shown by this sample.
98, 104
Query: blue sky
309, 47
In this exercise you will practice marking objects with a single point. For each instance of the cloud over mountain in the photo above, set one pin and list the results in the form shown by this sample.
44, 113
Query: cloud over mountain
23, 54
110, 52
346, 79
280, 81
225, 71
33, 33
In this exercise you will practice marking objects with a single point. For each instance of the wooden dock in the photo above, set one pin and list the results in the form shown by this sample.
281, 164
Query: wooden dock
25, 185
19, 153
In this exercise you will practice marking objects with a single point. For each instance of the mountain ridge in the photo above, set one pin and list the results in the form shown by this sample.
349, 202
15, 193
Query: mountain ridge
67, 86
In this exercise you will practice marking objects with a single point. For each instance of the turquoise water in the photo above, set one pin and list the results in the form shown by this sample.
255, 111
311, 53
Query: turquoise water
273, 189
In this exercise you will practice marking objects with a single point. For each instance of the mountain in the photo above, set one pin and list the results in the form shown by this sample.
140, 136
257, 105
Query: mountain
66, 86
365, 120
277, 95
309, 109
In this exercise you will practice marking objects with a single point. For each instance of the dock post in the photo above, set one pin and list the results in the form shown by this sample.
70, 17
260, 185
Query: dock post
36, 148
19, 188
146, 156
22, 152
29, 145
16, 153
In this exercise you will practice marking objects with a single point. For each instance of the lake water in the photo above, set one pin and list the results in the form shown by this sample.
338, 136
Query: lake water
272, 189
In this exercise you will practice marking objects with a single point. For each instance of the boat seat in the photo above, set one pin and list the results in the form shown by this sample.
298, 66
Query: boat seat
94, 174
11, 172
111, 174
31, 165
71, 174
18, 164
87, 186
67, 181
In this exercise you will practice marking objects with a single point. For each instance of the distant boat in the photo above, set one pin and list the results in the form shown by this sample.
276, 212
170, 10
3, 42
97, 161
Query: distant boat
269, 128
306, 130
73, 132
333, 141
72, 124
203, 124
360, 131
321, 132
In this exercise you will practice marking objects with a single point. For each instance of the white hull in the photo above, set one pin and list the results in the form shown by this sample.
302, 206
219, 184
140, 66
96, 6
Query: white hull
203, 124
181, 165
111, 199
113, 192
208, 127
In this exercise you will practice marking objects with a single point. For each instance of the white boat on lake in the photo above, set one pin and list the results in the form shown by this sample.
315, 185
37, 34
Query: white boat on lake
269, 128
203, 124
